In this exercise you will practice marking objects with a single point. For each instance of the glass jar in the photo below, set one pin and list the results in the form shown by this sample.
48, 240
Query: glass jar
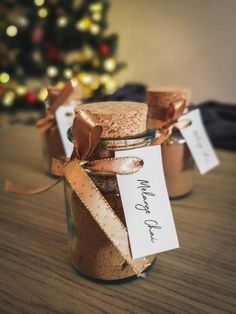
91, 252
178, 165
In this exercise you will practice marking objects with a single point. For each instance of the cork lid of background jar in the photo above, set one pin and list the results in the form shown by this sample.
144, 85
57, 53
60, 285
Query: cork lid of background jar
164, 96
118, 118
160, 99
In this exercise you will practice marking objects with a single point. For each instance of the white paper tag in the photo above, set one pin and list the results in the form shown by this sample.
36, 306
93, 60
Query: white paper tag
146, 204
198, 142
64, 116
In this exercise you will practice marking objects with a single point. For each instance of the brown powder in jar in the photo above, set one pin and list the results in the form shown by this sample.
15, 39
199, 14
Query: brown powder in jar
92, 253
178, 168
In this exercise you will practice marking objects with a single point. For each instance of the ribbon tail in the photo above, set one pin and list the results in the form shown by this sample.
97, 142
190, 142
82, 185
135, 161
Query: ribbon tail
26, 190
103, 214
44, 124
57, 166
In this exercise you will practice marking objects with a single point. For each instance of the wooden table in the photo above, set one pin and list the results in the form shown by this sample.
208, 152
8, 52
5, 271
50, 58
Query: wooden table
36, 275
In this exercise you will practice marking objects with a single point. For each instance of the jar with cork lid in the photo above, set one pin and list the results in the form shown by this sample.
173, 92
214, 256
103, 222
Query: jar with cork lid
165, 106
91, 251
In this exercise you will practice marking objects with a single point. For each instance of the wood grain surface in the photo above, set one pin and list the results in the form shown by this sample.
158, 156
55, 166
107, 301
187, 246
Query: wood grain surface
36, 275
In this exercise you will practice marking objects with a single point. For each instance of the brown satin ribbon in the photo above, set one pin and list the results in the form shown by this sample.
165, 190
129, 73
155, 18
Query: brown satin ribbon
26, 190
48, 121
167, 119
86, 134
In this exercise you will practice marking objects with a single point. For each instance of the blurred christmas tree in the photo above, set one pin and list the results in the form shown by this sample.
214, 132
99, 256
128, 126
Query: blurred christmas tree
46, 42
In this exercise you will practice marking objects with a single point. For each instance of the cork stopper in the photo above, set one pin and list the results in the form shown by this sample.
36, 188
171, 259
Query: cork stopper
163, 97
118, 119
160, 99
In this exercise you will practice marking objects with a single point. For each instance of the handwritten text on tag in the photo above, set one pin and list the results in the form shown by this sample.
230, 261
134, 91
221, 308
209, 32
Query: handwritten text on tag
198, 142
146, 205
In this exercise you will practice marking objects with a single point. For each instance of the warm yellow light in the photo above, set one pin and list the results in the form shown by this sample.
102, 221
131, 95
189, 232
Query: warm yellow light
83, 24
94, 29
8, 98
60, 84
109, 83
38, 2
95, 7
4, 77
68, 73
85, 78
11, 31
105, 78
62, 21
110, 64
110, 86
21, 90
96, 82
43, 12
97, 16
42, 95
52, 71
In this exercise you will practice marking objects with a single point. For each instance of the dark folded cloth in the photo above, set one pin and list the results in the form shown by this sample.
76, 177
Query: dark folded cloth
220, 122
219, 118
131, 92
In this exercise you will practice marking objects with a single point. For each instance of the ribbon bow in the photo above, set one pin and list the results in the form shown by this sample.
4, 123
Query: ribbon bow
86, 134
167, 118
48, 121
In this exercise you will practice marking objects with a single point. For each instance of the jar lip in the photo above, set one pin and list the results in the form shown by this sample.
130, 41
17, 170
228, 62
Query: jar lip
148, 134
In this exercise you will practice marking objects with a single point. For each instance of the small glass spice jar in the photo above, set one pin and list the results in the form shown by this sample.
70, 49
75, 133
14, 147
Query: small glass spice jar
91, 252
177, 160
